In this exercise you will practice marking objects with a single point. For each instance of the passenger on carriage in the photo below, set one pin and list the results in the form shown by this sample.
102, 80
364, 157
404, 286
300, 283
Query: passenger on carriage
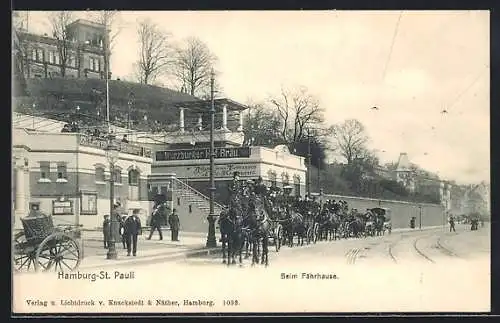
235, 186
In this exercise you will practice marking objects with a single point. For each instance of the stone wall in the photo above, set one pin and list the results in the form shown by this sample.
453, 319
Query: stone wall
401, 212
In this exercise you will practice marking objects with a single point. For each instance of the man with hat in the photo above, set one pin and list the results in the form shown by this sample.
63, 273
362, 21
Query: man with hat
235, 186
156, 220
174, 222
106, 231
133, 229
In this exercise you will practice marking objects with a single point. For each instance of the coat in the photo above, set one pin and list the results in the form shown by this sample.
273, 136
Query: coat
173, 221
133, 225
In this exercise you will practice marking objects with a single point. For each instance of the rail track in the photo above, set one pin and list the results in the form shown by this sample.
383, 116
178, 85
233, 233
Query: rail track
419, 251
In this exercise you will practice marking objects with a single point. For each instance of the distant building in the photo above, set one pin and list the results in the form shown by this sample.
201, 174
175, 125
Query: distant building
43, 54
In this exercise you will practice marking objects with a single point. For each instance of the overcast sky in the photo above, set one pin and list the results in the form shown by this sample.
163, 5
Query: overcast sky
439, 60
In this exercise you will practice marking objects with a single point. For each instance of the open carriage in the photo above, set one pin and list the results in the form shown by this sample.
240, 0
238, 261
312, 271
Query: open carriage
41, 246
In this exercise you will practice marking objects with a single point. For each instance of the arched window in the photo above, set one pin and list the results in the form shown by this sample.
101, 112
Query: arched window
117, 175
133, 184
133, 177
272, 178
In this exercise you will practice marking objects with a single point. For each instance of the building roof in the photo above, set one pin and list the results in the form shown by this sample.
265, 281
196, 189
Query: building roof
86, 22
403, 163
199, 105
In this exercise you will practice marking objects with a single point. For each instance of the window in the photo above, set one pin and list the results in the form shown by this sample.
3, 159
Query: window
88, 202
133, 185
117, 175
51, 58
272, 179
61, 171
39, 55
99, 174
33, 54
62, 176
92, 64
133, 177
44, 171
98, 65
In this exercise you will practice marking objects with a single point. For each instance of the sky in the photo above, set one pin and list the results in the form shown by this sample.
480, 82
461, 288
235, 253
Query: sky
409, 64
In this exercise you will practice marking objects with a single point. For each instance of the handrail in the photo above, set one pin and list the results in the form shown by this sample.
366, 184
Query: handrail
198, 192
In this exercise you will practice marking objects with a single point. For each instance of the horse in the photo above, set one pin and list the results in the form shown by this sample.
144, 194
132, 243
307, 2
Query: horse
231, 226
259, 224
356, 226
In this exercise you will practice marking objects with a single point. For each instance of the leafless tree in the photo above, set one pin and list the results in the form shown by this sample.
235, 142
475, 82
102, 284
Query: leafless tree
261, 125
298, 111
193, 65
350, 138
109, 19
59, 20
155, 53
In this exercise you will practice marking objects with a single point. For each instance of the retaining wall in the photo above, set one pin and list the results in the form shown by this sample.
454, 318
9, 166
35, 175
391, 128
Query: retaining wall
401, 212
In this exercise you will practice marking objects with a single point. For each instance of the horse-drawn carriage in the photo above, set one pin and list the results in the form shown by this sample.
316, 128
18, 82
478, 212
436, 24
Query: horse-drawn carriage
384, 214
41, 246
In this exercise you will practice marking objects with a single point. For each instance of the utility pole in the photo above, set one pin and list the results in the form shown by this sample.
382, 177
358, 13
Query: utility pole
106, 72
211, 241
308, 180
420, 215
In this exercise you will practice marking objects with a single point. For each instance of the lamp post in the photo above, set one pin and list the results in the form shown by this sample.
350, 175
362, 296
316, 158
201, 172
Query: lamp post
211, 242
112, 153
308, 163
420, 217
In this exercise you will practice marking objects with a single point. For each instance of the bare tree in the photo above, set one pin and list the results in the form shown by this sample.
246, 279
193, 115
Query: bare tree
109, 19
298, 111
350, 139
261, 126
155, 53
193, 64
59, 20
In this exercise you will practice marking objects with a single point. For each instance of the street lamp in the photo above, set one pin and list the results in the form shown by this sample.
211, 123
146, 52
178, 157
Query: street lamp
112, 153
308, 163
211, 242
420, 217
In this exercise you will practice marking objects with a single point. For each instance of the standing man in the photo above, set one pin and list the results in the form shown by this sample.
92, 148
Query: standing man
106, 230
122, 232
133, 228
452, 223
174, 222
156, 220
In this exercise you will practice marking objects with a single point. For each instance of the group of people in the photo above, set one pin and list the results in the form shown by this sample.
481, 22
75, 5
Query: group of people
130, 227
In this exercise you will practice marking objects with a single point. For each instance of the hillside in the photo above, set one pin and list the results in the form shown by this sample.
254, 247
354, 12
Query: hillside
56, 96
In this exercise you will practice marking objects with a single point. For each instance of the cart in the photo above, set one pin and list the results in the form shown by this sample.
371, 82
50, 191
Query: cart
41, 246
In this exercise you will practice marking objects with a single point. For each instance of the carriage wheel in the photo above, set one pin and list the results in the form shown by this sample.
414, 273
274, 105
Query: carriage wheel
58, 252
278, 237
22, 259
316, 232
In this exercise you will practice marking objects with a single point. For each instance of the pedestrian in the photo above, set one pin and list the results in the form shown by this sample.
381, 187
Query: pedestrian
133, 229
122, 231
452, 223
106, 231
156, 221
174, 223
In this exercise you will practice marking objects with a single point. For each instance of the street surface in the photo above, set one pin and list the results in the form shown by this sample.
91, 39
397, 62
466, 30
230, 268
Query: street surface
400, 248
422, 271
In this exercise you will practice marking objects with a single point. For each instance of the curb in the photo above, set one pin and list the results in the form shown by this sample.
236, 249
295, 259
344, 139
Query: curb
155, 259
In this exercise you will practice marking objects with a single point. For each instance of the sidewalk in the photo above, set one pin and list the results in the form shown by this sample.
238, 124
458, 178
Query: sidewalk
190, 244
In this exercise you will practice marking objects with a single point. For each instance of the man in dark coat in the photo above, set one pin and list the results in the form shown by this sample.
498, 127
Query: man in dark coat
106, 231
122, 231
174, 222
156, 220
133, 228
260, 189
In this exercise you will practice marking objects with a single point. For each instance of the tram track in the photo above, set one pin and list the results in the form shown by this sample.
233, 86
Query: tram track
445, 250
419, 251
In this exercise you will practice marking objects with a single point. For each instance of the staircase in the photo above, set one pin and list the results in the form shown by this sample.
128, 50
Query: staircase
193, 207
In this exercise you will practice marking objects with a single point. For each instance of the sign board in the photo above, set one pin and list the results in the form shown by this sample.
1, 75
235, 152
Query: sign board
126, 148
193, 154
62, 207
225, 170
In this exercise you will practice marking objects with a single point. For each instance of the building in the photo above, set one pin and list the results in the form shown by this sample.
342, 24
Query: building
67, 175
80, 55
